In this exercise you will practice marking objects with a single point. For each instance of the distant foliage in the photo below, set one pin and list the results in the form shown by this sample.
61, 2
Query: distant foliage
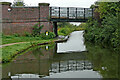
65, 28
65, 31
63, 24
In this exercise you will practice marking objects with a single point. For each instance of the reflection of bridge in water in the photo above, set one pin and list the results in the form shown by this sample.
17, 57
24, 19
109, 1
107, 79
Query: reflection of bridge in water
45, 62
71, 65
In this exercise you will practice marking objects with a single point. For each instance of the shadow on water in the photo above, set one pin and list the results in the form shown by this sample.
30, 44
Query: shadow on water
45, 62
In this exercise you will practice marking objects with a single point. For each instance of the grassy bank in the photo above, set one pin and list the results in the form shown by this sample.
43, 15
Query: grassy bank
12, 39
9, 52
7, 39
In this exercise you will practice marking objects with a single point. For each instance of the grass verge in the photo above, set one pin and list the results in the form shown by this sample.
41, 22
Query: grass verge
9, 52
7, 39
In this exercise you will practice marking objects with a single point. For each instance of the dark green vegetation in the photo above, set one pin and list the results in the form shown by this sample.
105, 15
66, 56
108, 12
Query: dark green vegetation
106, 30
37, 29
105, 61
66, 28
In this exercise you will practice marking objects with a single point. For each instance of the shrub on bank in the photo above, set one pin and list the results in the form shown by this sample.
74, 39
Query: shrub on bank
36, 29
106, 30
65, 31
27, 34
105, 34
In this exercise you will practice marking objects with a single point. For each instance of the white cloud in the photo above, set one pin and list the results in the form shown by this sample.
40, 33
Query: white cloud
60, 3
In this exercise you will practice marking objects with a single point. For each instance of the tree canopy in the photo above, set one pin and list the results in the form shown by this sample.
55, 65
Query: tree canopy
18, 3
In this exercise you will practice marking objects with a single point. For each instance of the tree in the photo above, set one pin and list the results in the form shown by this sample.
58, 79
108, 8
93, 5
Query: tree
18, 3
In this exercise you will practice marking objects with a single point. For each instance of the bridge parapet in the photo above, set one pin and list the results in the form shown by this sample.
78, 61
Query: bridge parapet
70, 14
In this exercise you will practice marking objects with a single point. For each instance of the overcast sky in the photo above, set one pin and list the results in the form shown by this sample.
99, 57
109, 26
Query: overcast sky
60, 3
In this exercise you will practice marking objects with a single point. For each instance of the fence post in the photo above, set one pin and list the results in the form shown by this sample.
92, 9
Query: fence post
59, 12
76, 13
84, 13
68, 13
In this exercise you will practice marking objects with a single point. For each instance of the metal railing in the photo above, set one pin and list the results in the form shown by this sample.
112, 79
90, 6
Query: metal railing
70, 13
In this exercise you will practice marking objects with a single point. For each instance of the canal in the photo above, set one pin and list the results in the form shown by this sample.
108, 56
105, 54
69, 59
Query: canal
71, 59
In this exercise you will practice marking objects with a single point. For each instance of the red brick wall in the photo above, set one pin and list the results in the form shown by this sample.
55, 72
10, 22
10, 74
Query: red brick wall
22, 19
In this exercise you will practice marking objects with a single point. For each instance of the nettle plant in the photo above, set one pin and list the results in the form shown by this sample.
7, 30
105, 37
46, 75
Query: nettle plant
37, 29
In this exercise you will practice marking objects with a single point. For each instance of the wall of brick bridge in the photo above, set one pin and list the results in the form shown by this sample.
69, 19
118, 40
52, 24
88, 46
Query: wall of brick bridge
22, 19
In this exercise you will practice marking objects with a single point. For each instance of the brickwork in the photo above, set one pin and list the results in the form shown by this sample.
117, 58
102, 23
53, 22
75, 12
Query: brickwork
22, 19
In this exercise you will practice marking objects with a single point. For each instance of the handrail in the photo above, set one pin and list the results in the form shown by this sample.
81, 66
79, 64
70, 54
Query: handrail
70, 13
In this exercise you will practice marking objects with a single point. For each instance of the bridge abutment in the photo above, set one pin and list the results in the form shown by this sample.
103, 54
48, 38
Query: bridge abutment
21, 19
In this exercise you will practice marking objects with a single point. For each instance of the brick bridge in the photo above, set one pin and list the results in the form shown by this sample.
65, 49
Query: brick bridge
21, 19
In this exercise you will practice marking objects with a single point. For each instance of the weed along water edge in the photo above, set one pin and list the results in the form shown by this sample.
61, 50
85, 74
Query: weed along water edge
84, 60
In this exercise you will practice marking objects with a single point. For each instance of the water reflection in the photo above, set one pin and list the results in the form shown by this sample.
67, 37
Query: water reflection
47, 63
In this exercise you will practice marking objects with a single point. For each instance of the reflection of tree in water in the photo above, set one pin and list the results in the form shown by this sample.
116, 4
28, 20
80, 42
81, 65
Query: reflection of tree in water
37, 52
104, 61
43, 53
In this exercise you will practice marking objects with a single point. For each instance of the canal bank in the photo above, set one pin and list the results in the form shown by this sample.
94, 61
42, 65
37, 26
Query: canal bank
46, 62
12, 50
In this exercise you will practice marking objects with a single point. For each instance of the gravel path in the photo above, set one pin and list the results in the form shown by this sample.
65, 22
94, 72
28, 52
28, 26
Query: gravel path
11, 44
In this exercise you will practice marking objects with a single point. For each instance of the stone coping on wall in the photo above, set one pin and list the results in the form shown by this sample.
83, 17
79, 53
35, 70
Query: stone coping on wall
5, 3
24, 6
44, 4
39, 4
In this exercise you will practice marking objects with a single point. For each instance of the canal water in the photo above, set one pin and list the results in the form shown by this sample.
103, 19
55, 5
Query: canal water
71, 59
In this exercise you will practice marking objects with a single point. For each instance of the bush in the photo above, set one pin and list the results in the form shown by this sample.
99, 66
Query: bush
65, 31
106, 34
36, 30
27, 34
16, 35
49, 36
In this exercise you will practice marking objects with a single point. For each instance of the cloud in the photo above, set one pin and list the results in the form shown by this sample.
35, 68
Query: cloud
60, 3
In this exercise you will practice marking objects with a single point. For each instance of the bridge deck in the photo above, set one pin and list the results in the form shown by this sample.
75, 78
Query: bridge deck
70, 14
